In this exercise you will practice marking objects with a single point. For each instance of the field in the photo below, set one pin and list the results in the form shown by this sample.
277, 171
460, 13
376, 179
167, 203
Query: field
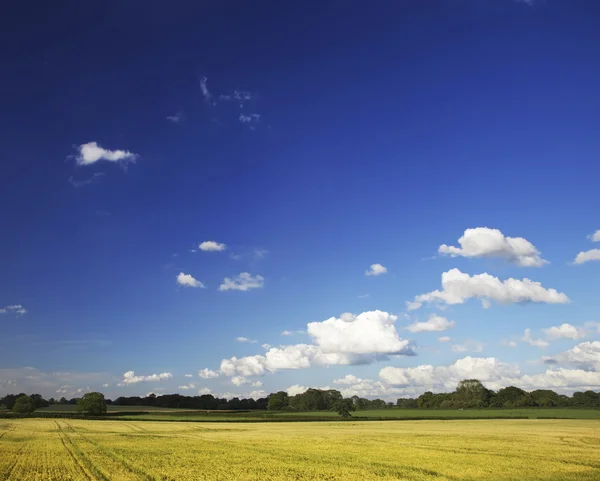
60, 450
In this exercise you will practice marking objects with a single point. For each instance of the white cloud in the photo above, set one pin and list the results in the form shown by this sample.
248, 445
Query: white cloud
260, 253
375, 270
507, 343
296, 389
287, 333
585, 355
485, 242
244, 282
593, 325
188, 386
587, 256
533, 342
444, 339
91, 153
564, 331
245, 339
368, 333
208, 98
15, 309
207, 374
252, 120
595, 237
239, 380
434, 324
256, 384
469, 345
211, 246
178, 117
458, 287
105, 385
204, 390
130, 378
187, 280
292, 333
188, 375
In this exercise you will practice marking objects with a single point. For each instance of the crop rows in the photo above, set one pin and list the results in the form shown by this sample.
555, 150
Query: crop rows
61, 450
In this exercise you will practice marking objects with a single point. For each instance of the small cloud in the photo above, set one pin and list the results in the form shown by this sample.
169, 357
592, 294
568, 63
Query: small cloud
260, 253
211, 246
469, 345
207, 374
188, 375
507, 343
17, 309
587, 256
595, 237
92, 180
564, 331
175, 119
91, 153
364, 296
245, 339
187, 386
208, 98
105, 385
187, 280
203, 391
434, 324
444, 339
287, 333
533, 342
375, 270
243, 282
251, 120
130, 378
266, 346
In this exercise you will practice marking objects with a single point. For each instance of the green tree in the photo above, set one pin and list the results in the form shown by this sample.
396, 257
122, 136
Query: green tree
343, 407
277, 401
23, 405
470, 393
92, 403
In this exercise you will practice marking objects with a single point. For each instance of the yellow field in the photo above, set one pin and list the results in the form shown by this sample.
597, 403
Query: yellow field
45, 450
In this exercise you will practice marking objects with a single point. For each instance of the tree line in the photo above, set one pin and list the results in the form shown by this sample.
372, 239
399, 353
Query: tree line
469, 394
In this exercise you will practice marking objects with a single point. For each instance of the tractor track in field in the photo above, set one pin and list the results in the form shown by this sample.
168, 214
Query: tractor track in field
116, 457
72, 455
8, 431
13, 464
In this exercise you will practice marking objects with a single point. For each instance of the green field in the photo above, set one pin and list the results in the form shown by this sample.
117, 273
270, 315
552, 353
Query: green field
60, 450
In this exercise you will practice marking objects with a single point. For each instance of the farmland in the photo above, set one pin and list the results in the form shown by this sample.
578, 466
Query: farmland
60, 449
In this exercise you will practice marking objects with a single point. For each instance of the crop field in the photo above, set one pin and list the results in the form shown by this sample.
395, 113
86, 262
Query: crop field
60, 450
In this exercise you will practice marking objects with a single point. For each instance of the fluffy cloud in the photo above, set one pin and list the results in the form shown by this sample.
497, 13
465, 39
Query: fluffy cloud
16, 309
591, 255
207, 374
469, 345
187, 280
347, 340
130, 378
188, 386
585, 355
239, 380
178, 117
564, 331
244, 282
434, 324
587, 256
485, 242
251, 120
91, 153
211, 246
245, 339
533, 342
296, 389
444, 339
443, 378
371, 332
375, 270
458, 287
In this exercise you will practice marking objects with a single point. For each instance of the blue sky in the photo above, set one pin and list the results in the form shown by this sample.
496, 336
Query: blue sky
307, 143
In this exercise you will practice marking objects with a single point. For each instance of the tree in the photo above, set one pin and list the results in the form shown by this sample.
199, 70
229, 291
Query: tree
470, 393
277, 401
23, 405
92, 403
343, 407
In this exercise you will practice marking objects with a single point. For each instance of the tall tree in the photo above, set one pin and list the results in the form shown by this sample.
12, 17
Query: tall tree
23, 405
92, 403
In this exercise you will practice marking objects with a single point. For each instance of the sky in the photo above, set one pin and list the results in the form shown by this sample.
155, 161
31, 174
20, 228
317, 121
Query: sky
243, 197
